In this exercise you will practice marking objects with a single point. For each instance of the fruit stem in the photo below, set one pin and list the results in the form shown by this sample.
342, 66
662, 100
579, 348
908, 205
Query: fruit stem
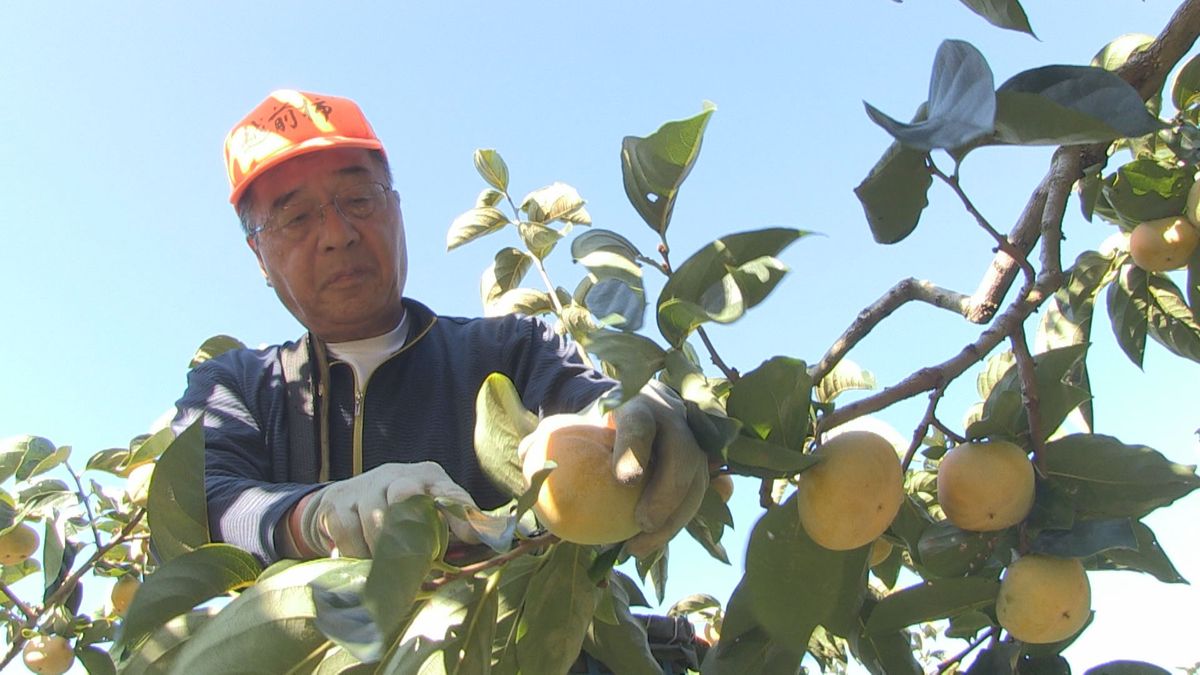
523, 548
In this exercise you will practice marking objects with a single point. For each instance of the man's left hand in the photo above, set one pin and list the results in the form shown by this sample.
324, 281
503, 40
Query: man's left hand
655, 444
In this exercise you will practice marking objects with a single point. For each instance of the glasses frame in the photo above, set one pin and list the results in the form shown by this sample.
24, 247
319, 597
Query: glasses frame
268, 228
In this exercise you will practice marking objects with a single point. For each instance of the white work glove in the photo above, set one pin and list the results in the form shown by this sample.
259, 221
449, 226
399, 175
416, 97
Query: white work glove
655, 444
345, 516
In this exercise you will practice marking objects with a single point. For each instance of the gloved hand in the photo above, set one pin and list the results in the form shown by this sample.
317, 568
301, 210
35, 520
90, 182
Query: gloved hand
655, 444
345, 516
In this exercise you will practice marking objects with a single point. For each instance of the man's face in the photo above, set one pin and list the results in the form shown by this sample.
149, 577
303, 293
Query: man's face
344, 277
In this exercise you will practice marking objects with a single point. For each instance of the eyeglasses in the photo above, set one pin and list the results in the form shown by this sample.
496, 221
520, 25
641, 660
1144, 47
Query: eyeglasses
296, 220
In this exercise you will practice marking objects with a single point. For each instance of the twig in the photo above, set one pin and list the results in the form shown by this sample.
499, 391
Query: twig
8, 592
971, 646
903, 292
1029, 393
87, 505
949, 433
1002, 243
923, 428
525, 547
730, 373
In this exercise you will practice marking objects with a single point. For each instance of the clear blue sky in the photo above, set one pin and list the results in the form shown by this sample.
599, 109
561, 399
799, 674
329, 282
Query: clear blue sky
122, 253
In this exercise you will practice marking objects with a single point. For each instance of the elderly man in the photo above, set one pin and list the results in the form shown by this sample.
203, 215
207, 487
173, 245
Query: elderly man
308, 442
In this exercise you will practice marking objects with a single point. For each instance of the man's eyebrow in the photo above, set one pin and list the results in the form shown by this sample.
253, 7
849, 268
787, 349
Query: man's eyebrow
282, 200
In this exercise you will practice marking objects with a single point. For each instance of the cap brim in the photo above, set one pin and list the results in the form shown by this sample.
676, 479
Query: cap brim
311, 145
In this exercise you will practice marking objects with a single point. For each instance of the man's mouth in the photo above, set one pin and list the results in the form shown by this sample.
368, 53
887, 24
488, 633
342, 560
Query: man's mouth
346, 277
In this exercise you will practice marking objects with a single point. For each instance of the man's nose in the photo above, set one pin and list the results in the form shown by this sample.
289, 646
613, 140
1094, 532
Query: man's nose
335, 229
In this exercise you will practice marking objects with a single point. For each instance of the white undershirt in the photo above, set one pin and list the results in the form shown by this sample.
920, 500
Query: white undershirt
364, 356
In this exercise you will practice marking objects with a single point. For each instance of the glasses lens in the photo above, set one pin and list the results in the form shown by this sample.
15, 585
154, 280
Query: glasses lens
360, 201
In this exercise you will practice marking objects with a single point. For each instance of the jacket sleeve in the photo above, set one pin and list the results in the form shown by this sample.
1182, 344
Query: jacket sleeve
245, 501
549, 370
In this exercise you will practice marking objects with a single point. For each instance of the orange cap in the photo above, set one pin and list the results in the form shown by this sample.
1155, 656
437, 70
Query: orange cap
291, 123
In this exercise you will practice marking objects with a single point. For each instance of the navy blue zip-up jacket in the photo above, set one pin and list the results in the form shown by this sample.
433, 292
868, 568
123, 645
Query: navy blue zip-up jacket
419, 406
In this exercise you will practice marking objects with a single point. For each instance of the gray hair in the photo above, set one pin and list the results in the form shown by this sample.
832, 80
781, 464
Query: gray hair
247, 199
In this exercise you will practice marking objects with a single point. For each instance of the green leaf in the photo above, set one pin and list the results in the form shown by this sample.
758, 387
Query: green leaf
781, 564
526, 301
1185, 92
269, 628
692, 604
1004, 414
1062, 105
845, 376
492, 169
774, 401
1127, 300
883, 653
501, 421
961, 104
607, 241
616, 303
184, 582
1144, 190
489, 197
176, 506
1127, 668
504, 274
633, 358
1001, 13
96, 660
746, 647
769, 460
621, 646
20, 454
722, 280
539, 239
159, 651
473, 224
895, 192
342, 614
1169, 320
655, 167
1149, 557
1086, 538
558, 609
214, 347
151, 448
408, 543
708, 525
1116, 53
1107, 478
556, 202
474, 636
1193, 285
714, 432
944, 550
932, 600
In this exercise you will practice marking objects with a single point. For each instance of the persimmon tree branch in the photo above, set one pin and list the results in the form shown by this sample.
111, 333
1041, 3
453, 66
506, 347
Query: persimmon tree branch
1029, 393
903, 292
971, 646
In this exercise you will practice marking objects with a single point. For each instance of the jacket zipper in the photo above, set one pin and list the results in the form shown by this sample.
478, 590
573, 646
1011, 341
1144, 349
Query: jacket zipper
357, 467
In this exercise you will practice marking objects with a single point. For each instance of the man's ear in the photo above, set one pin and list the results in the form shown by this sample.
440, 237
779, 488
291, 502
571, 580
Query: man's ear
262, 265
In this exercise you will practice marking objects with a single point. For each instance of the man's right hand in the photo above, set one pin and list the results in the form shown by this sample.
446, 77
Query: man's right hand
345, 517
